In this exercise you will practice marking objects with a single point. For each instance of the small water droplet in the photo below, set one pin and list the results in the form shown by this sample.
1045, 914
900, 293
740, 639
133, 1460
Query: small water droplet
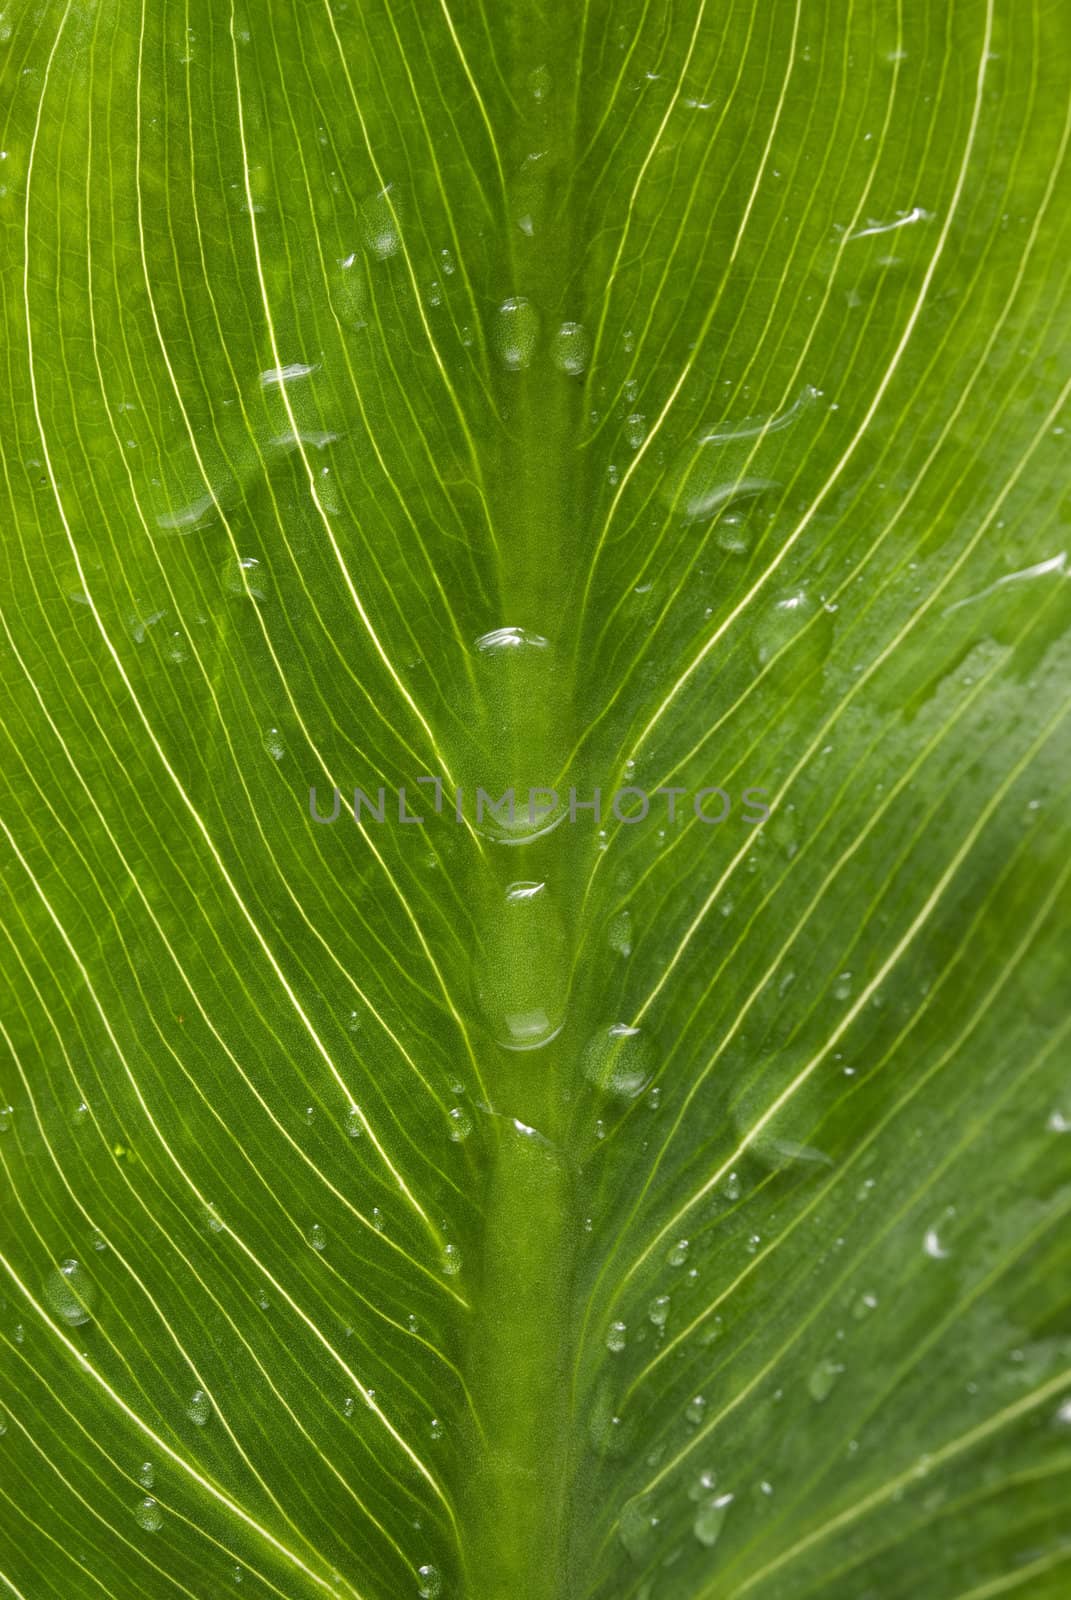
436, 1428
823, 1378
200, 1408
147, 1515
349, 1406
635, 430
863, 1306
431, 1583
460, 1124
354, 1125
516, 333
617, 1337
620, 933
696, 1410
710, 1519
273, 744
147, 1475
6, 1115
379, 225
658, 1310
704, 1485
678, 1255
317, 1237
71, 1293
451, 1260
571, 348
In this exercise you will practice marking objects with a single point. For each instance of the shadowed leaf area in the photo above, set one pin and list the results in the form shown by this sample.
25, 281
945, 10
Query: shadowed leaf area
534, 654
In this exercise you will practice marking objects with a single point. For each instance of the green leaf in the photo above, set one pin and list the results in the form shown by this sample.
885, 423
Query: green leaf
659, 400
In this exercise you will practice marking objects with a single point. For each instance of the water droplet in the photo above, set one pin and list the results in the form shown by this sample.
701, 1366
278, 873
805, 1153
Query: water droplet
349, 1406
696, 1410
571, 348
6, 1115
509, 639
147, 1475
244, 576
379, 225
863, 1306
516, 333
273, 744
822, 1379
460, 1124
448, 262
620, 933
354, 1125
317, 1237
710, 1519
293, 372
933, 1246
795, 616
842, 988
431, 1583
635, 430
147, 1515
617, 1061
522, 977
720, 467
200, 1408
704, 1485
617, 1337
678, 1255
658, 1310
637, 1527
71, 1293
916, 214
451, 1260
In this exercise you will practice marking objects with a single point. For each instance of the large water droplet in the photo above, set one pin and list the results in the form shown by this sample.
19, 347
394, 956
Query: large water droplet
637, 1527
245, 577
317, 1236
71, 1293
516, 333
618, 1062
797, 615
730, 462
522, 979
509, 639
